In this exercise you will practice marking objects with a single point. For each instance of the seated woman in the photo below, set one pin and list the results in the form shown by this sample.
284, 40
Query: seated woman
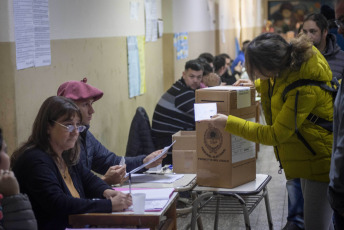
47, 169
15, 206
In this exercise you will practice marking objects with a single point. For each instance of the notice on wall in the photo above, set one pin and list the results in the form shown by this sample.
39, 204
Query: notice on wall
133, 67
24, 33
136, 66
242, 149
141, 48
42, 32
32, 33
181, 44
151, 20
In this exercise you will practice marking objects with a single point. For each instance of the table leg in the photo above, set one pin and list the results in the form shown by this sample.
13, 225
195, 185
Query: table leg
171, 215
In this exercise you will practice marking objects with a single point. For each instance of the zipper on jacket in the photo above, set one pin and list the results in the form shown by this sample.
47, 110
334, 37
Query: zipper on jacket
271, 91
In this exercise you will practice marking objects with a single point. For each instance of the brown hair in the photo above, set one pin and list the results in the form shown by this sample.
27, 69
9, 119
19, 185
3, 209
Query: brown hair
51, 110
271, 52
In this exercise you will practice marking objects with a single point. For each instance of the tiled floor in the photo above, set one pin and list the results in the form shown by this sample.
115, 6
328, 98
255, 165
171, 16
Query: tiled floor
266, 164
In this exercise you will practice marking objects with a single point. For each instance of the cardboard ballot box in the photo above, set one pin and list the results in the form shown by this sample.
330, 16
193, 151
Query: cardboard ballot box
184, 157
225, 160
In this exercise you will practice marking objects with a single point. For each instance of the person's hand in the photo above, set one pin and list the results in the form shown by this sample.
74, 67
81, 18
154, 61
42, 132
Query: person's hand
115, 174
218, 120
151, 156
244, 82
121, 201
238, 67
108, 193
8, 183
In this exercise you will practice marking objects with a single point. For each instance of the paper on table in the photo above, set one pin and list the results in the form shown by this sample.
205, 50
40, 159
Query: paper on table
151, 161
156, 199
151, 178
107, 229
204, 110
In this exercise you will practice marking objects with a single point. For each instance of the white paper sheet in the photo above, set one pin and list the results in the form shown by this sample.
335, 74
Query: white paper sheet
204, 110
243, 98
42, 33
151, 178
134, 74
242, 149
32, 33
160, 28
24, 33
151, 20
156, 199
164, 151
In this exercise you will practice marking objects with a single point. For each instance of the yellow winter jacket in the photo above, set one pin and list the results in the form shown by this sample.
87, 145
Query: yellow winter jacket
297, 160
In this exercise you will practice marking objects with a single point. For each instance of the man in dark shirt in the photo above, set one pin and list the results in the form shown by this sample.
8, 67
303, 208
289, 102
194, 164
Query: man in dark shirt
175, 109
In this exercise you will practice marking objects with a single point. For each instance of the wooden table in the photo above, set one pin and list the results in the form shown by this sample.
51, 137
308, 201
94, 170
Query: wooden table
166, 218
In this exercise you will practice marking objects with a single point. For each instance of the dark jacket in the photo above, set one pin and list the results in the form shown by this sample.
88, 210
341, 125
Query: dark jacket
336, 186
40, 179
17, 212
140, 137
96, 157
334, 56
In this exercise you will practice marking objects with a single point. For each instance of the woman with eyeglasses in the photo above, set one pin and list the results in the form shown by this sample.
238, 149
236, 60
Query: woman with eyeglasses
47, 169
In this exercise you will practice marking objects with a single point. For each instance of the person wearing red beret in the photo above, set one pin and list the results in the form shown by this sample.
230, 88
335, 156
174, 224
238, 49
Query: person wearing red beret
94, 155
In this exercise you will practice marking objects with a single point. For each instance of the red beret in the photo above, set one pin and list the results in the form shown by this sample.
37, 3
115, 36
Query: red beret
79, 90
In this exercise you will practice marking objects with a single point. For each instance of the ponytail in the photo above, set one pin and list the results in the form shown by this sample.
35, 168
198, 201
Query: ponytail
300, 51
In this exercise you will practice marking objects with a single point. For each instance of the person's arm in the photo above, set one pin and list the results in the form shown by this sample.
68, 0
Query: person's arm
44, 185
16, 207
103, 159
18, 212
284, 124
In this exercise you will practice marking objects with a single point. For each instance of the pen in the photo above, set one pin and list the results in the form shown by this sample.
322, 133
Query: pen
130, 183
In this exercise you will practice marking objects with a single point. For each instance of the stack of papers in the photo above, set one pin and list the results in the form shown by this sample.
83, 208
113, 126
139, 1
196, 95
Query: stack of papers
156, 199
151, 178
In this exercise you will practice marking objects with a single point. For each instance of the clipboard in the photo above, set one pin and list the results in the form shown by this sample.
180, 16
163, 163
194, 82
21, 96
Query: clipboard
151, 161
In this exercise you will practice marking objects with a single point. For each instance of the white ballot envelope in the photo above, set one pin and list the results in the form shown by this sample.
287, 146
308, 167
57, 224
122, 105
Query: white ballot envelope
204, 110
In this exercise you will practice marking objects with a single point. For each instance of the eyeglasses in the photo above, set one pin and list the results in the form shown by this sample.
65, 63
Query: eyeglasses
70, 128
339, 23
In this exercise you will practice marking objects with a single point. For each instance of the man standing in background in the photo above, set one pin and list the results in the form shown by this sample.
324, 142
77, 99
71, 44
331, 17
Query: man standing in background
315, 26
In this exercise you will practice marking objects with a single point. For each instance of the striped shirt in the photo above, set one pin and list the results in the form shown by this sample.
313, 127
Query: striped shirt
174, 112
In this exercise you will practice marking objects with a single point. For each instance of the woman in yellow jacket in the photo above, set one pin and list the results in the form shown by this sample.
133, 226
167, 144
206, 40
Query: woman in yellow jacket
302, 147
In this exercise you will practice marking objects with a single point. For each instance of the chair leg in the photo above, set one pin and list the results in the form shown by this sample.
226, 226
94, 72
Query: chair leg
267, 206
216, 222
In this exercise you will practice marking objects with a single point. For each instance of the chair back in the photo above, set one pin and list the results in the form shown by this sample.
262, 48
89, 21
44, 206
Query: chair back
140, 140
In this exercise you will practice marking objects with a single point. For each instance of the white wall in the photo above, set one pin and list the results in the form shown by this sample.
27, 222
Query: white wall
193, 16
83, 19
6, 21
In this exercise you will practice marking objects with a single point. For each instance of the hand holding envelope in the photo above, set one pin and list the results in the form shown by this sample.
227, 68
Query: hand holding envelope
208, 112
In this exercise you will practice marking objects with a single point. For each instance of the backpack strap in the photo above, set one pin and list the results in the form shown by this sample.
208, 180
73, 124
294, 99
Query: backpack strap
302, 139
328, 125
304, 82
